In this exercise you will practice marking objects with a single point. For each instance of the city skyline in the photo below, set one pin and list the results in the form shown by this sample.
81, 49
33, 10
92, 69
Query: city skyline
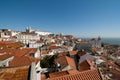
81, 18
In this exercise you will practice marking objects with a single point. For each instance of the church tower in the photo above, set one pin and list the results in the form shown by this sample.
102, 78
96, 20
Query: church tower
28, 29
99, 42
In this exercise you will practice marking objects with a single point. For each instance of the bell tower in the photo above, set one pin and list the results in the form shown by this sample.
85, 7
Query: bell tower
28, 29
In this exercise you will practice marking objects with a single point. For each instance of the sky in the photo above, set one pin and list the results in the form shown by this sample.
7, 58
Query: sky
81, 18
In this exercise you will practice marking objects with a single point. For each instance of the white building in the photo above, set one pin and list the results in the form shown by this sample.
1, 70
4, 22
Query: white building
42, 33
25, 38
13, 33
38, 32
34, 44
5, 59
4, 33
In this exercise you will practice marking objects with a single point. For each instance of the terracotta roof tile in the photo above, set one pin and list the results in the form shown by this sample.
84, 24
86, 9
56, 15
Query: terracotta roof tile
65, 61
21, 56
73, 52
85, 75
63, 53
5, 56
23, 61
9, 41
19, 52
84, 42
62, 73
43, 77
54, 47
6, 51
81, 53
86, 65
73, 71
44, 52
17, 73
58, 74
10, 44
96, 49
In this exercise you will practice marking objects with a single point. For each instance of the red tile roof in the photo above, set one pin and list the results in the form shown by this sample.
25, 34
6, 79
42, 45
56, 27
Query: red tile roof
21, 56
84, 42
73, 52
62, 73
6, 51
9, 41
85, 75
5, 56
54, 47
44, 51
62, 53
81, 53
23, 61
43, 77
10, 44
19, 52
65, 61
85, 65
58, 74
96, 49
18, 73
73, 71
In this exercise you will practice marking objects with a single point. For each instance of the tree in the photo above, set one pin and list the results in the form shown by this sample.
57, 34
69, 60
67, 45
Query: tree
48, 61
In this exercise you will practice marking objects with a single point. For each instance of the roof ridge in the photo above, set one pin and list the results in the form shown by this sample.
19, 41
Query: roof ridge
88, 61
68, 58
